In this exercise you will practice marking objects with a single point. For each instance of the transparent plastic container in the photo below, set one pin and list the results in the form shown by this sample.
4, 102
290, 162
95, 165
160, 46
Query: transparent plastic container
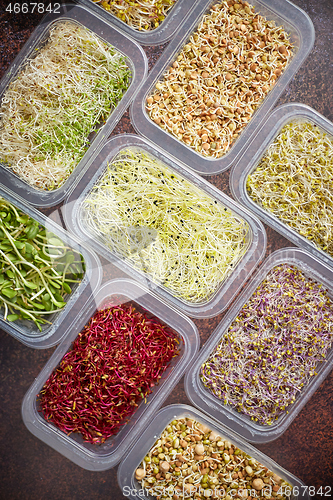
132, 489
163, 33
294, 20
137, 62
210, 404
108, 454
255, 237
257, 148
50, 335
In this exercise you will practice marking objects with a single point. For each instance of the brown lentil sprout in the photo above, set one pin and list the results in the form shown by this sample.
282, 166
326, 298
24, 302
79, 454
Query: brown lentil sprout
215, 474
222, 75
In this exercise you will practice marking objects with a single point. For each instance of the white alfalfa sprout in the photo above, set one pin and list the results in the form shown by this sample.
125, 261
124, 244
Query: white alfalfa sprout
58, 98
165, 226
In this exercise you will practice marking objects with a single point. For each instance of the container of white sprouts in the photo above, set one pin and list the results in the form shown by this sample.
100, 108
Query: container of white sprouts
66, 259
212, 86
271, 351
190, 480
152, 22
165, 226
60, 99
285, 177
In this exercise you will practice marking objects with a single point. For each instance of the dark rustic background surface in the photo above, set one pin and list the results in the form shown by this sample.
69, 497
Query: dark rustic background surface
29, 469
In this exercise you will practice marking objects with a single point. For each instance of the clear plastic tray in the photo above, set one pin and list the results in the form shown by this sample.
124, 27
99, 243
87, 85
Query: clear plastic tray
252, 156
26, 331
256, 238
164, 32
294, 20
108, 454
137, 62
207, 402
131, 487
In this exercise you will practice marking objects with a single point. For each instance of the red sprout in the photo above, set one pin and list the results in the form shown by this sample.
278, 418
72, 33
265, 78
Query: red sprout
113, 365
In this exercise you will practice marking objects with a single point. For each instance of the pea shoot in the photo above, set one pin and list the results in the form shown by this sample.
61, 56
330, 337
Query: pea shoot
37, 269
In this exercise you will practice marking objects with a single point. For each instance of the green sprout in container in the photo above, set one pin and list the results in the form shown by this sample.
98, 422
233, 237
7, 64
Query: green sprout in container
165, 226
37, 269
57, 100
294, 182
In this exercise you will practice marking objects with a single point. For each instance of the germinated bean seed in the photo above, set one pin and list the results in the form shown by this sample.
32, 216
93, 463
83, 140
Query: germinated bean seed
208, 475
220, 77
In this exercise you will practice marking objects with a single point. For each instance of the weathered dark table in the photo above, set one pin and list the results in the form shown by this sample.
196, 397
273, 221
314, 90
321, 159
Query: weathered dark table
29, 469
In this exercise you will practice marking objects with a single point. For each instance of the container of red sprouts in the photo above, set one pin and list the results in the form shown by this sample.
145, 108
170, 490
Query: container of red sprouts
152, 22
138, 475
211, 88
271, 351
127, 360
60, 99
46, 274
285, 177
165, 226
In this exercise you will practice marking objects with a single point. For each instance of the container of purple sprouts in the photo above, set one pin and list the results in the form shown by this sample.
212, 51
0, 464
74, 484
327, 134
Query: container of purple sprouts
271, 351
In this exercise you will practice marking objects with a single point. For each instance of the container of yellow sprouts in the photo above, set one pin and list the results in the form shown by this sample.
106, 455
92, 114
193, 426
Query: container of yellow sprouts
219, 77
150, 22
60, 99
165, 226
285, 177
